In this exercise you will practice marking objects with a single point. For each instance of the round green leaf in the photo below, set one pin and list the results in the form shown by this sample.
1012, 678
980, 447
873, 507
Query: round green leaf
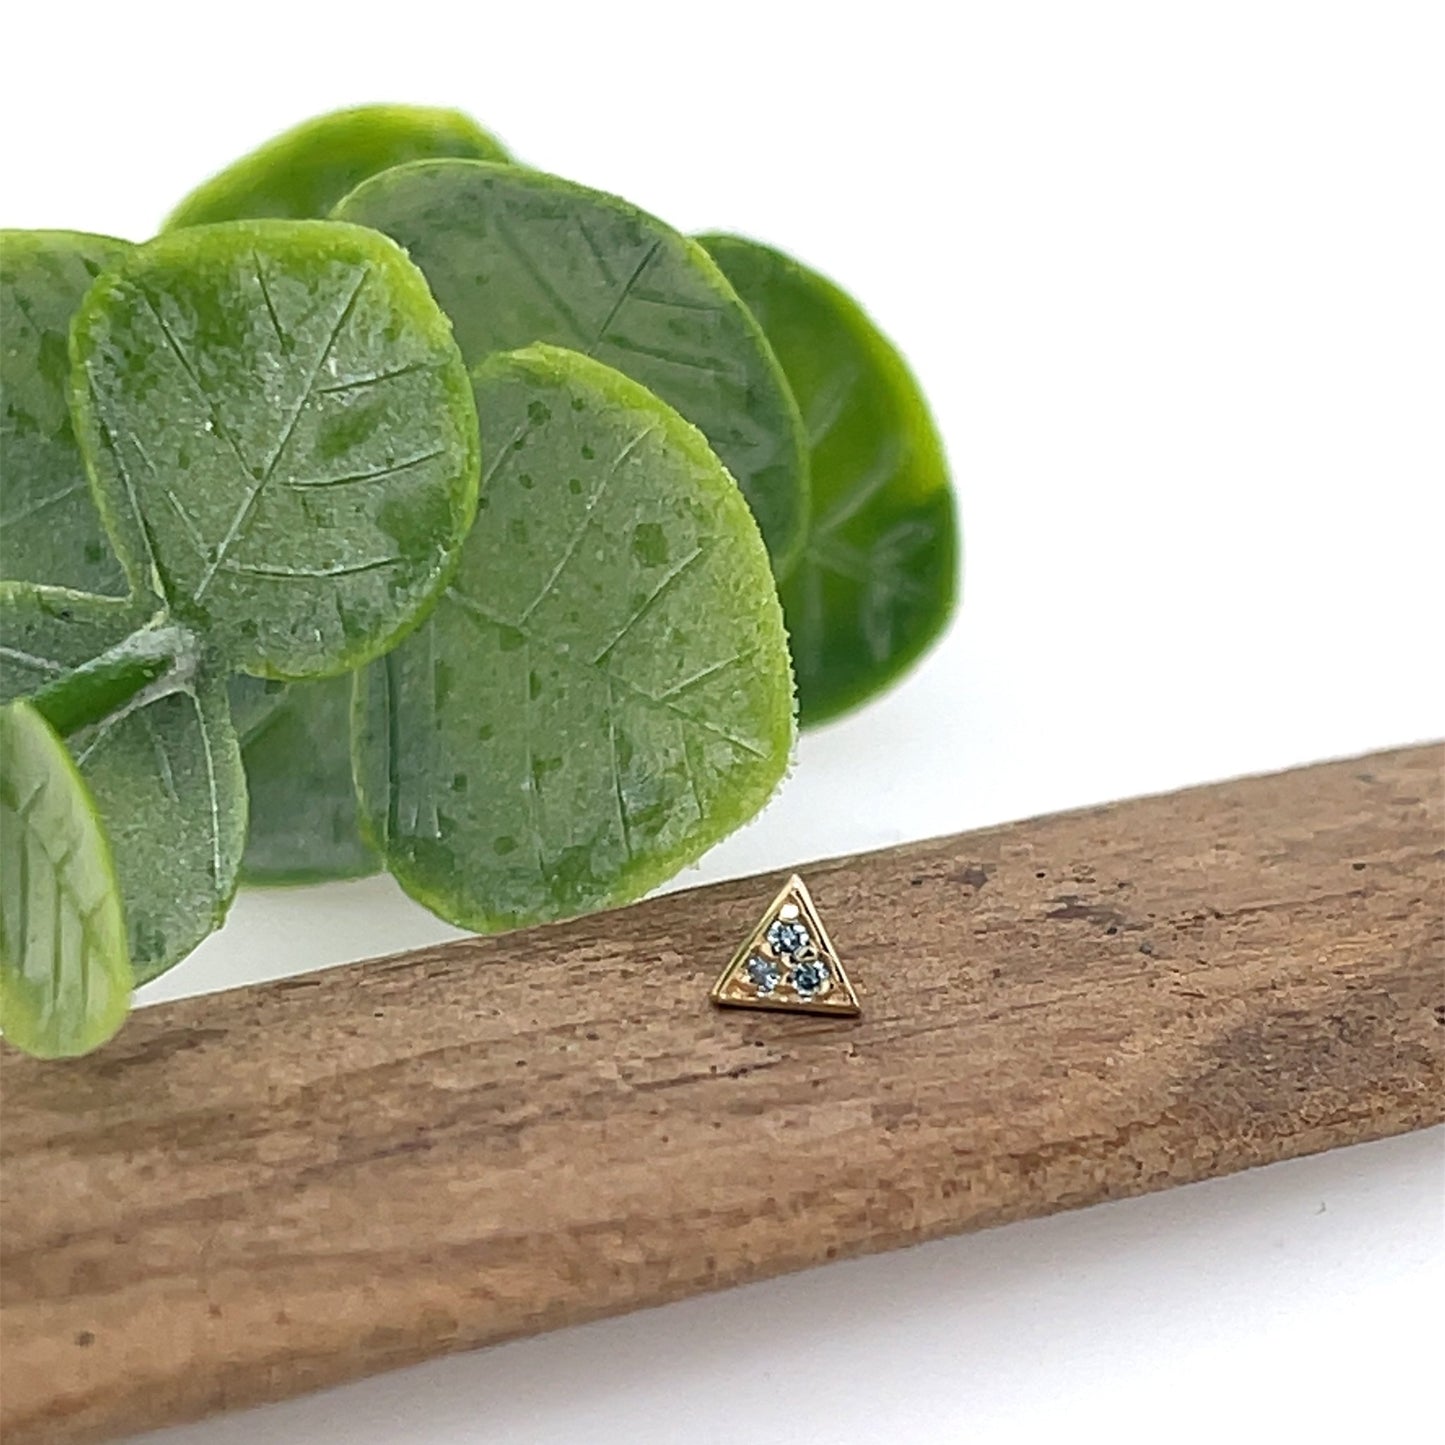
603, 692
302, 173
304, 827
877, 580
516, 257
164, 767
49, 528
282, 436
65, 977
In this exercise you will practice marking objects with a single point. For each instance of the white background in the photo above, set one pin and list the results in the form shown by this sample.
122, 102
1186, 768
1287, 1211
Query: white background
1174, 278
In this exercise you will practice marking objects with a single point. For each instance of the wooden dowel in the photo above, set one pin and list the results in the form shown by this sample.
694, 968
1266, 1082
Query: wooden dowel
256, 1193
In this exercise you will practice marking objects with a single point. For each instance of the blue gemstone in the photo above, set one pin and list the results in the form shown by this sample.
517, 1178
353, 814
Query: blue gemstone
787, 938
763, 973
809, 978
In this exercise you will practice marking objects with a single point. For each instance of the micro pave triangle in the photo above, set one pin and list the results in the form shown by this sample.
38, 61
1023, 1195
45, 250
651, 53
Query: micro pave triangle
788, 962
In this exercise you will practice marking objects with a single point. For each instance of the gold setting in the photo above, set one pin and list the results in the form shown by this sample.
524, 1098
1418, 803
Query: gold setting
771, 983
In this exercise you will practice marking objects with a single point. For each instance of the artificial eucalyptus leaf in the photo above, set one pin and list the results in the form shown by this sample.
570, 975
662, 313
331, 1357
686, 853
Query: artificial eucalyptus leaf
65, 975
50, 530
877, 580
603, 691
282, 436
302, 173
516, 257
304, 827
163, 764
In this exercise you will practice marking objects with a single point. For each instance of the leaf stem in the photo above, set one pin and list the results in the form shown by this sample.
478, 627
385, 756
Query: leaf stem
160, 651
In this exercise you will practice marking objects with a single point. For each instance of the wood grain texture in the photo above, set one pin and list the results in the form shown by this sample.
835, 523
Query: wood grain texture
256, 1193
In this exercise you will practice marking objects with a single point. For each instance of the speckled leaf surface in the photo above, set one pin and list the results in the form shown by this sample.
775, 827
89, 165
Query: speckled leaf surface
164, 769
282, 435
877, 580
516, 257
304, 826
50, 530
302, 173
604, 690
65, 978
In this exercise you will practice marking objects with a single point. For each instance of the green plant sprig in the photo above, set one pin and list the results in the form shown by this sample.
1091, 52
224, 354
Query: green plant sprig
241, 469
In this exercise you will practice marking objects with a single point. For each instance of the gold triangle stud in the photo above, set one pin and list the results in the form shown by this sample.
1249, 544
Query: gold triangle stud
788, 962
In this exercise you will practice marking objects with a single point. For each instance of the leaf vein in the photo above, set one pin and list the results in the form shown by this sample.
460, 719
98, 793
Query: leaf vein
673, 358
676, 303
484, 614
168, 777
24, 810
570, 550
266, 297
173, 342
687, 769
874, 478
647, 603
32, 660
257, 486
375, 475
824, 415
56, 958
598, 256
375, 379
525, 261
128, 482
831, 555
41, 504
340, 569
624, 293
213, 793
617, 771
711, 670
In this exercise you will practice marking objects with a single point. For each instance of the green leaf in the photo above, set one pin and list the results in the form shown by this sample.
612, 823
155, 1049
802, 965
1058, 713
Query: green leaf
49, 528
164, 766
878, 578
304, 172
516, 257
304, 827
603, 691
65, 977
282, 437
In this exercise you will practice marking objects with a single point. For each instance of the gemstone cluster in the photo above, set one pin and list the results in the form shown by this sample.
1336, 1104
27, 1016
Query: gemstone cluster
790, 961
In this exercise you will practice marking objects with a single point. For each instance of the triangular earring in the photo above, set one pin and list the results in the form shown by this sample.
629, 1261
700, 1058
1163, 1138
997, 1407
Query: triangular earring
788, 962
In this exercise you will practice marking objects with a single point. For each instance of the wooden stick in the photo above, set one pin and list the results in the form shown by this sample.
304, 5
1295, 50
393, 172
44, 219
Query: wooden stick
261, 1192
